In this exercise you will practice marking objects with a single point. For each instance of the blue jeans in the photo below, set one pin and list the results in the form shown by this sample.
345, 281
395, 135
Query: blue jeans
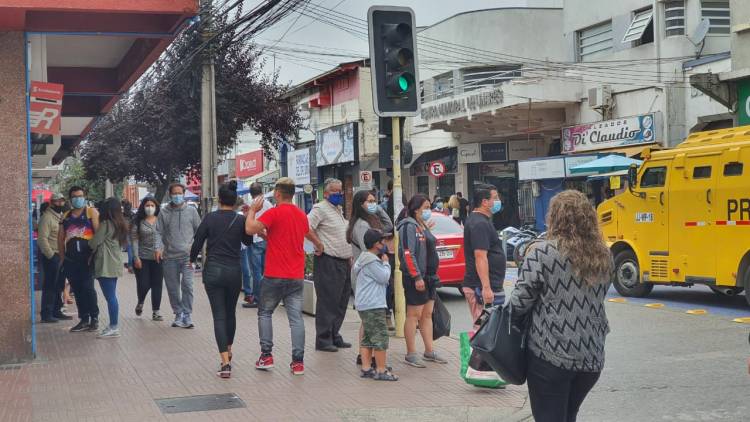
247, 276
109, 288
274, 290
258, 263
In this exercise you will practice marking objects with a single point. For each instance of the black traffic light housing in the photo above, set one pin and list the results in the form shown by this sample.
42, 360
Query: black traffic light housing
393, 60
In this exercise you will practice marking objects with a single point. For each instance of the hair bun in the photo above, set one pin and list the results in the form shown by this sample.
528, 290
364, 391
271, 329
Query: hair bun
233, 185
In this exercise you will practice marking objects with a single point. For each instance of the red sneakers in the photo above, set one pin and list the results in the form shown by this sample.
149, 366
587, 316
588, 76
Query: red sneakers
264, 362
298, 368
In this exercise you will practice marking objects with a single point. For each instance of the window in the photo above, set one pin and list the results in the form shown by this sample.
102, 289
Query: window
594, 42
654, 177
703, 172
641, 29
480, 77
444, 85
674, 18
717, 13
423, 185
733, 169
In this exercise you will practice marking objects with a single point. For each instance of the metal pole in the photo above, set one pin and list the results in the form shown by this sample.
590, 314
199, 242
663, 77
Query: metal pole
398, 284
209, 180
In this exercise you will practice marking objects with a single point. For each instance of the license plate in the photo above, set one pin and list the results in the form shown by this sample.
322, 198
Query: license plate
445, 254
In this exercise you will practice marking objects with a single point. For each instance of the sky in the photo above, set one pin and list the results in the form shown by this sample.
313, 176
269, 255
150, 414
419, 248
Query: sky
301, 30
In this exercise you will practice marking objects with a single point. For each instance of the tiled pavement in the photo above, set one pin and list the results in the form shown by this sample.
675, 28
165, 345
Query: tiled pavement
77, 377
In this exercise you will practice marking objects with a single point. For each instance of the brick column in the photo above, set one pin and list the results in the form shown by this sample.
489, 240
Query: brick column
15, 312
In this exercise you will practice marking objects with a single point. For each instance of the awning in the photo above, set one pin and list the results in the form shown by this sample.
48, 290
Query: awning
449, 157
608, 175
630, 151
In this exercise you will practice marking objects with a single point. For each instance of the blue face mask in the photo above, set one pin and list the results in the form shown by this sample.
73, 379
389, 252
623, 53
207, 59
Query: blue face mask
178, 199
372, 207
78, 202
426, 214
497, 205
384, 250
336, 199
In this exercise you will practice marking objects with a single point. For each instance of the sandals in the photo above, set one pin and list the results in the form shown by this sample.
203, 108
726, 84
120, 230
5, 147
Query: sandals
385, 376
370, 373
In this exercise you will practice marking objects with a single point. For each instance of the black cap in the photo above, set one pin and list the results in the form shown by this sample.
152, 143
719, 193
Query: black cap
372, 237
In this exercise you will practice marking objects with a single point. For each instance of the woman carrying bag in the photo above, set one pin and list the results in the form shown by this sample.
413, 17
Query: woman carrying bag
561, 288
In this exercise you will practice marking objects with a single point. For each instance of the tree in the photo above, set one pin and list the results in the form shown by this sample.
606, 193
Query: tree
73, 174
153, 133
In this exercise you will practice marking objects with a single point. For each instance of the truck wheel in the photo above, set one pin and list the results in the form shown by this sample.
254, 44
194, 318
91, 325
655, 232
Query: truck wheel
726, 291
628, 276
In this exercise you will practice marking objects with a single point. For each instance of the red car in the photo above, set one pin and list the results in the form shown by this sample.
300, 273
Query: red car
450, 249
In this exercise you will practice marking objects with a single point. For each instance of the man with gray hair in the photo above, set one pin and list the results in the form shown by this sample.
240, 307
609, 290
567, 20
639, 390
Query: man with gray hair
332, 267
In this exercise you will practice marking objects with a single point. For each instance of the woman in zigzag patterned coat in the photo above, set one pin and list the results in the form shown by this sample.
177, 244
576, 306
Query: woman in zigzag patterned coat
562, 284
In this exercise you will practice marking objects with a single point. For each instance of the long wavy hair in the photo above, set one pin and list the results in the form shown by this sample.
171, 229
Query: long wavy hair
572, 223
140, 215
111, 210
359, 213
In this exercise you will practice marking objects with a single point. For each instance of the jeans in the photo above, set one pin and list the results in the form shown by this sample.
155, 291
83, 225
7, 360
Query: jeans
556, 394
178, 276
247, 276
150, 277
332, 288
222, 283
52, 288
82, 283
109, 289
273, 291
258, 264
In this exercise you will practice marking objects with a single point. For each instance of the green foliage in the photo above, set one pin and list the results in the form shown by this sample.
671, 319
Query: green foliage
74, 174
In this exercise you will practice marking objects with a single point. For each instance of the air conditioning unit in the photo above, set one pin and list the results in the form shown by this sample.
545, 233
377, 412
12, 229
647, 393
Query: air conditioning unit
600, 96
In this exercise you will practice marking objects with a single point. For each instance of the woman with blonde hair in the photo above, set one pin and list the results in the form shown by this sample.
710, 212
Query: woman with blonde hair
561, 287
454, 206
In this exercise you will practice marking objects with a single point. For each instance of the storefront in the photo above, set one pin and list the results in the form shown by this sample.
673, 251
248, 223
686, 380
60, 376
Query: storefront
336, 154
626, 135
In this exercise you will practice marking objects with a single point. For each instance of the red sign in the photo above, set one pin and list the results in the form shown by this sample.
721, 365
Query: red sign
248, 165
45, 107
437, 168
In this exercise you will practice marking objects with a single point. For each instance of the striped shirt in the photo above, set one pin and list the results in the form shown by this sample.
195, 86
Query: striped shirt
329, 224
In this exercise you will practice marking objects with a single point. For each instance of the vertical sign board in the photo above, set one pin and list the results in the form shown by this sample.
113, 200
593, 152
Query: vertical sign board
743, 102
298, 166
45, 107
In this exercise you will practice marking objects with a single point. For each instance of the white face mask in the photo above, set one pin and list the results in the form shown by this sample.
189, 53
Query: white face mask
150, 211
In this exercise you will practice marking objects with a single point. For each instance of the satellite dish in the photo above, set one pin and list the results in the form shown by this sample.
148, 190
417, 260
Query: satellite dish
700, 32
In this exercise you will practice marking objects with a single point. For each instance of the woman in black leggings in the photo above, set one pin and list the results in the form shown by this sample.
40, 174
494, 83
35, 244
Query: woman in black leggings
147, 247
224, 230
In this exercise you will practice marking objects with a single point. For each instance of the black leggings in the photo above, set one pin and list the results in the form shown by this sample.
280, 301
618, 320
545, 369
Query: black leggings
556, 394
223, 284
150, 277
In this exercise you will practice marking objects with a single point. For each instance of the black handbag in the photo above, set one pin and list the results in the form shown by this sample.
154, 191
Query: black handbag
502, 345
441, 320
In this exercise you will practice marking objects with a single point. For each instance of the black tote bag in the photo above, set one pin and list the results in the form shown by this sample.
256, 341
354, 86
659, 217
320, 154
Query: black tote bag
502, 345
441, 320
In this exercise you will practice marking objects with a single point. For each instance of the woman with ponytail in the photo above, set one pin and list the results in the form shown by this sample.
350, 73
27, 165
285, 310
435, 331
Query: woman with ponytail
224, 232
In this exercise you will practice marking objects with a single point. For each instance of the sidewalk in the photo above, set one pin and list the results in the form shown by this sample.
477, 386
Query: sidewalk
77, 377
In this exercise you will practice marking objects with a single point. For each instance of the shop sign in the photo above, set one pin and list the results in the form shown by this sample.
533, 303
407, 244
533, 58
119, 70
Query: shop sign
495, 152
743, 103
506, 169
437, 169
469, 153
462, 106
249, 164
553, 168
527, 149
336, 144
610, 134
45, 107
298, 166
577, 160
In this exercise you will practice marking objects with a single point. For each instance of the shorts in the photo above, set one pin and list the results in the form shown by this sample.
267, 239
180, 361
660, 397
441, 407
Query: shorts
416, 298
375, 329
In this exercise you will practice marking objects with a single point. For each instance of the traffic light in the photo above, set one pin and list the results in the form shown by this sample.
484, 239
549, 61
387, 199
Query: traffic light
393, 60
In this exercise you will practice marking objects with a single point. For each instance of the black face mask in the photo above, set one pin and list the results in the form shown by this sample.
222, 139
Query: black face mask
58, 208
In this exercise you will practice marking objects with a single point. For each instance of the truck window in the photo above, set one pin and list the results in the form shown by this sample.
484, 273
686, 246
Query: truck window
703, 172
654, 177
733, 169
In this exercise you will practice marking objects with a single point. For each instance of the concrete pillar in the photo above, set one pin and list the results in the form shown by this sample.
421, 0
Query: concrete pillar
15, 313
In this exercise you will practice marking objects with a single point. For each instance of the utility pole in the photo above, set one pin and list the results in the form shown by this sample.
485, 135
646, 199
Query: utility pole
396, 196
209, 177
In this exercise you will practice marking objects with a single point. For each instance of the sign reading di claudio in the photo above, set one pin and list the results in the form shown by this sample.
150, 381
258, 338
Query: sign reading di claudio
615, 133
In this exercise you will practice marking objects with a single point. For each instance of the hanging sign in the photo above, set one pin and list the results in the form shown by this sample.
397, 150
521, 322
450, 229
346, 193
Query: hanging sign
45, 107
615, 133
437, 169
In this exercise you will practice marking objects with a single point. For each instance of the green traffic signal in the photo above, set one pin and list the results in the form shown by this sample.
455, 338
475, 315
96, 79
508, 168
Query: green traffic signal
403, 83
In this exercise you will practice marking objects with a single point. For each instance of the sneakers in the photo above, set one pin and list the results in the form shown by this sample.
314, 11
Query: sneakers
83, 325
433, 357
298, 368
156, 317
250, 305
62, 317
178, 321
187, 322
412, 359
139, 309
264, 362
225, 371
109, 332
93, 325
249, 299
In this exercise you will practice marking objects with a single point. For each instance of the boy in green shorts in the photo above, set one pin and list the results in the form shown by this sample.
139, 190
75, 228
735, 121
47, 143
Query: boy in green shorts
372, 271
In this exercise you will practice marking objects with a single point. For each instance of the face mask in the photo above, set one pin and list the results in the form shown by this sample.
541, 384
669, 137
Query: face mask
426, 214
78, 202
439, 206
372, 207
150, 211
497, 205
383, 250
336, 199
178, 199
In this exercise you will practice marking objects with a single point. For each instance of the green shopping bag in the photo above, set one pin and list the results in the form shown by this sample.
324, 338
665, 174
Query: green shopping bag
486, 379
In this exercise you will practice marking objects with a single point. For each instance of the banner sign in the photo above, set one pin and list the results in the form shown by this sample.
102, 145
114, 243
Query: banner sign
495, 152
45, 107
610, 134
336, 144
249, 164
298, 166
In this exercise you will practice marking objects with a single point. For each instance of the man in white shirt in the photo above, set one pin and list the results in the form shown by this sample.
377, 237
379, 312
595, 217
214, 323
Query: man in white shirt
258, 249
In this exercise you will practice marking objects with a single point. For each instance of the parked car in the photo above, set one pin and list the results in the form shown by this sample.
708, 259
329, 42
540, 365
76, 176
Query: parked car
450, 249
